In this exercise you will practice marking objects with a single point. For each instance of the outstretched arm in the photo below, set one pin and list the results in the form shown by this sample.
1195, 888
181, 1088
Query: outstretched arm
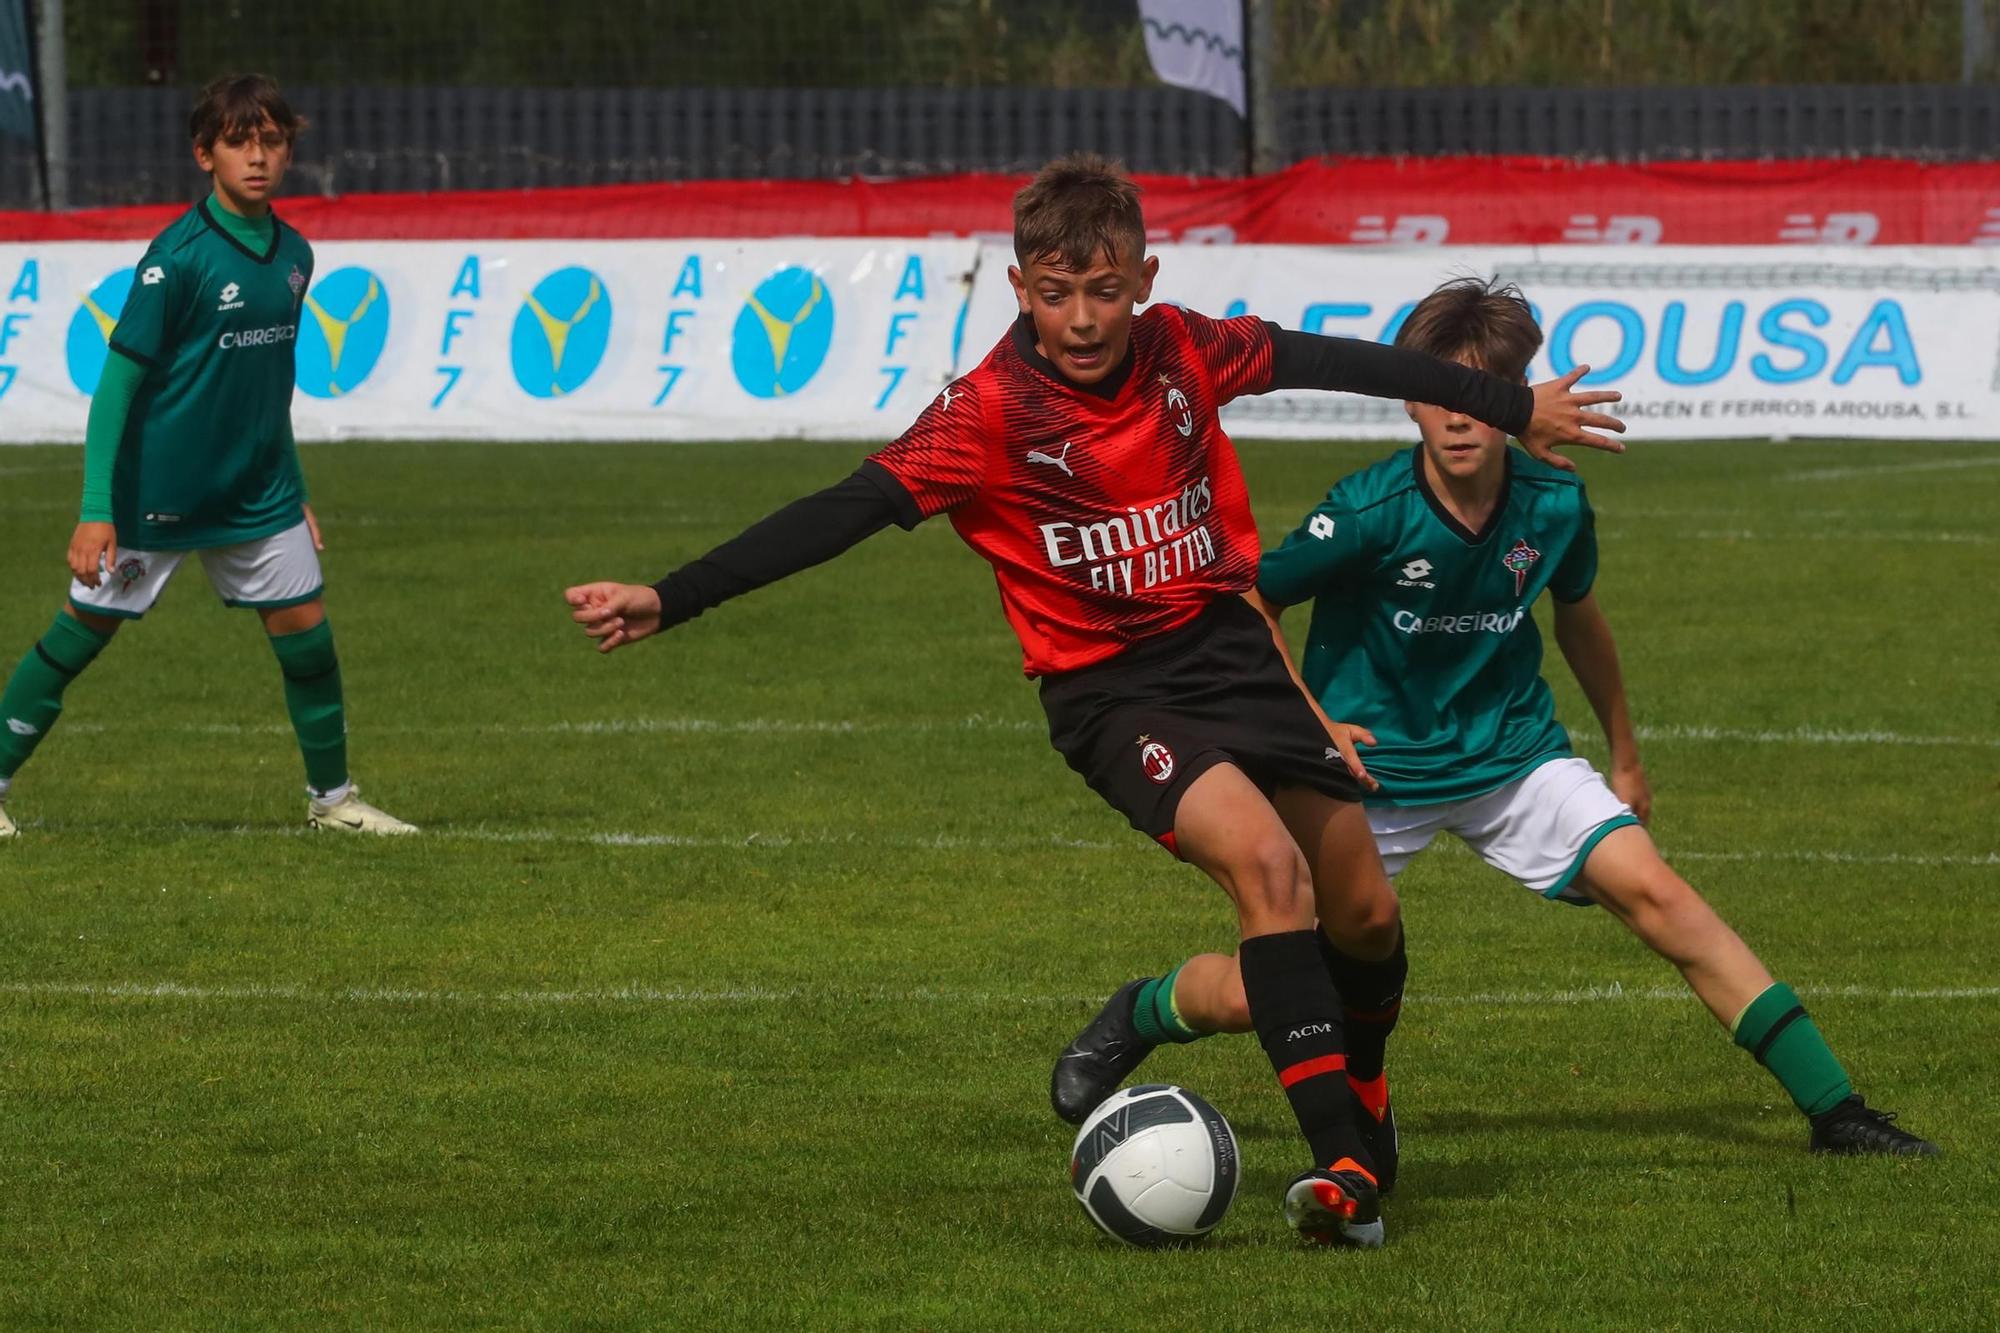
1543, 417
804, 533
1584, 636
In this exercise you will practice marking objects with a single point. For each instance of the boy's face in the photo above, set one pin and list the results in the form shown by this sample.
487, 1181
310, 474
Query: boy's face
247, 167
1083, 319
1455, 445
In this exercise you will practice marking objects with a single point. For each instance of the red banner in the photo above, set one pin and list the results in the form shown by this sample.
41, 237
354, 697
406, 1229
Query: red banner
1329, 201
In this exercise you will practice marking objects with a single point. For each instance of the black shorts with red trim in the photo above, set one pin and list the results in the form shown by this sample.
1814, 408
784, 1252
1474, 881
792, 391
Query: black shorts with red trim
1144, 725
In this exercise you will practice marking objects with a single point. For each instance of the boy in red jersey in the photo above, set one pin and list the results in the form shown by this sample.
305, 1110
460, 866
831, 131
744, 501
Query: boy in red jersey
1084, 459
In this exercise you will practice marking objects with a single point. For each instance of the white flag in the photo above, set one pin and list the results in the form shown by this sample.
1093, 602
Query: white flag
1197, 44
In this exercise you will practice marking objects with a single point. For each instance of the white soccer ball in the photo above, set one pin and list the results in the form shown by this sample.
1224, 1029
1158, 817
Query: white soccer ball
1155, 1165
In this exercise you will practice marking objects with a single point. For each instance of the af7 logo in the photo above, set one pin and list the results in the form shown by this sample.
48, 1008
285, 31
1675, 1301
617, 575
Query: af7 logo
1518, 561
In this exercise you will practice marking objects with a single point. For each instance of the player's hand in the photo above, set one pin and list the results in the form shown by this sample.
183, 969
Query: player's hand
92, 549
312, 529
1563, 416
614, 614
1346, 738
1628, 784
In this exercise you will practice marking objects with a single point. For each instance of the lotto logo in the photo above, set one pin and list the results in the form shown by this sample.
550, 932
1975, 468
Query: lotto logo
1417, 568
1320, 526
153, 275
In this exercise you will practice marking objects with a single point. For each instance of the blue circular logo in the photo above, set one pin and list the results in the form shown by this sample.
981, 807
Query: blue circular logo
783, 333
90, 328
341, 332
561, 333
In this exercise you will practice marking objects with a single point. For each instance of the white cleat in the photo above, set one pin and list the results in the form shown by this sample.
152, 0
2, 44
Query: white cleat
351, 814
8, 828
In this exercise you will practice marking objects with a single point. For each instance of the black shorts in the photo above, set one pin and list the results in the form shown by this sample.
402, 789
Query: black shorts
1143, 726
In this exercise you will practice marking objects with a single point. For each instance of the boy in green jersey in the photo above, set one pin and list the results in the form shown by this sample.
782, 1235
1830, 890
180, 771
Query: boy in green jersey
189, 448
1422, 570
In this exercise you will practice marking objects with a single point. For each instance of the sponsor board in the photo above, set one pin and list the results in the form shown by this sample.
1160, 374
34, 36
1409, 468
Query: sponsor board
849, 339
1704, 342
531, 340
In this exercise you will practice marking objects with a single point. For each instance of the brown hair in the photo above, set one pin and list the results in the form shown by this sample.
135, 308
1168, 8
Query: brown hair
234, 106
1479, 320
1076, 208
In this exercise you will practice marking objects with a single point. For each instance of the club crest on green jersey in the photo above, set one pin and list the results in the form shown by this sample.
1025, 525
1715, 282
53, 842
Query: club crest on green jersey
1520, 560
296, 281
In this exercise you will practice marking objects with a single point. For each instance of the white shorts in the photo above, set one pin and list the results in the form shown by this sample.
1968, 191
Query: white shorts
1539, 830
271, 572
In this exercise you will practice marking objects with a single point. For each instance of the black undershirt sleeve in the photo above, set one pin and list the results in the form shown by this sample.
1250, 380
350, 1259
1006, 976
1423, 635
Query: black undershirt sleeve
1351, 365
804, 533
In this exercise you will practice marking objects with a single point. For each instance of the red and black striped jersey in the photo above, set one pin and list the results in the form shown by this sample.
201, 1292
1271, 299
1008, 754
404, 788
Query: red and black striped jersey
1110, 513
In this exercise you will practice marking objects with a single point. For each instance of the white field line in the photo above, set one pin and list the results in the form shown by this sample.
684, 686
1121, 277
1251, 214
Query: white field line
977, 722
1846, 537
781, 840
651, 997
1888, 469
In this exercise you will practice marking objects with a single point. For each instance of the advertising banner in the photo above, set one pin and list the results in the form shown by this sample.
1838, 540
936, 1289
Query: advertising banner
543, 340
848, 339
1371, 201
1704, 343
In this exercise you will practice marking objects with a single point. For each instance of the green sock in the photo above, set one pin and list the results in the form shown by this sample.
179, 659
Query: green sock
312, 697
1775, 1029
1154, 1014
32, 700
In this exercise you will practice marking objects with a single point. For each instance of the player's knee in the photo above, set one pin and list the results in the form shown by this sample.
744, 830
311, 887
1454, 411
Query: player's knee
1273, 883
1366, 924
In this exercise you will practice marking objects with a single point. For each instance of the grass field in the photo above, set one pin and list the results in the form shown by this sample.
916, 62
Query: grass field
722, 988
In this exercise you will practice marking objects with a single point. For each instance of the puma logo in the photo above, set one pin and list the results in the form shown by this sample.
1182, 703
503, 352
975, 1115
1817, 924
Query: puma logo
1060, 460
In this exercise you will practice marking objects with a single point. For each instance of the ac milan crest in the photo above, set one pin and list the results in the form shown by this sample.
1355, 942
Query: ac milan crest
1156, 759
1519, 561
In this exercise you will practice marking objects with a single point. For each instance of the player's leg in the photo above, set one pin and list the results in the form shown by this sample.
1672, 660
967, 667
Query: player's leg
1362, 946
32, 699
279, 578
1626, 874
1226, 826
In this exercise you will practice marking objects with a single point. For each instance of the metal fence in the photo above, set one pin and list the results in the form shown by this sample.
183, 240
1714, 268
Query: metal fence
128, 145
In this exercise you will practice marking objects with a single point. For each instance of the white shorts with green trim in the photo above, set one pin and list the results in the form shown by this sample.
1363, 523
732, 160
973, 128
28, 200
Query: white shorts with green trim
1538, 830
269, 573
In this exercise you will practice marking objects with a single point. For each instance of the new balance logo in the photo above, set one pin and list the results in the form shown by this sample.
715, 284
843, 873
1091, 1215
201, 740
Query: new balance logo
20, 728
1836, 229
153, 276
1060, 460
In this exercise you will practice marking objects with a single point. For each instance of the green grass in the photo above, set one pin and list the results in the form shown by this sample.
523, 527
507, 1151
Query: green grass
722, 987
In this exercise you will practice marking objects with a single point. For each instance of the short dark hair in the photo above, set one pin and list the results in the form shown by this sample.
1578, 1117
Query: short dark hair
232, 107
1076, 208
1479, 320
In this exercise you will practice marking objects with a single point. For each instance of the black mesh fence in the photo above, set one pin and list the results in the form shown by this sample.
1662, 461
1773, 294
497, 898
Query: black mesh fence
478, 94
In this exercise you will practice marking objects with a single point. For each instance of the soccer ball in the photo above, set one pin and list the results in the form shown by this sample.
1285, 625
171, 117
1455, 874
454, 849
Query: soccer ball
1155, 1165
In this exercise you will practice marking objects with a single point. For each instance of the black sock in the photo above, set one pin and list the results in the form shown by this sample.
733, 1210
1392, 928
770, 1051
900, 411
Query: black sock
1297, 1015
1371, 998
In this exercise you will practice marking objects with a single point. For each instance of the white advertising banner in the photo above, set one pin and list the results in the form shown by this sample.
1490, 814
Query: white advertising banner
1705, 342
535, 340
848, 339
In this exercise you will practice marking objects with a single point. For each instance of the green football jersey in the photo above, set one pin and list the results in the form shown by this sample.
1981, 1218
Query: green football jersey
1420, 628
207, 457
